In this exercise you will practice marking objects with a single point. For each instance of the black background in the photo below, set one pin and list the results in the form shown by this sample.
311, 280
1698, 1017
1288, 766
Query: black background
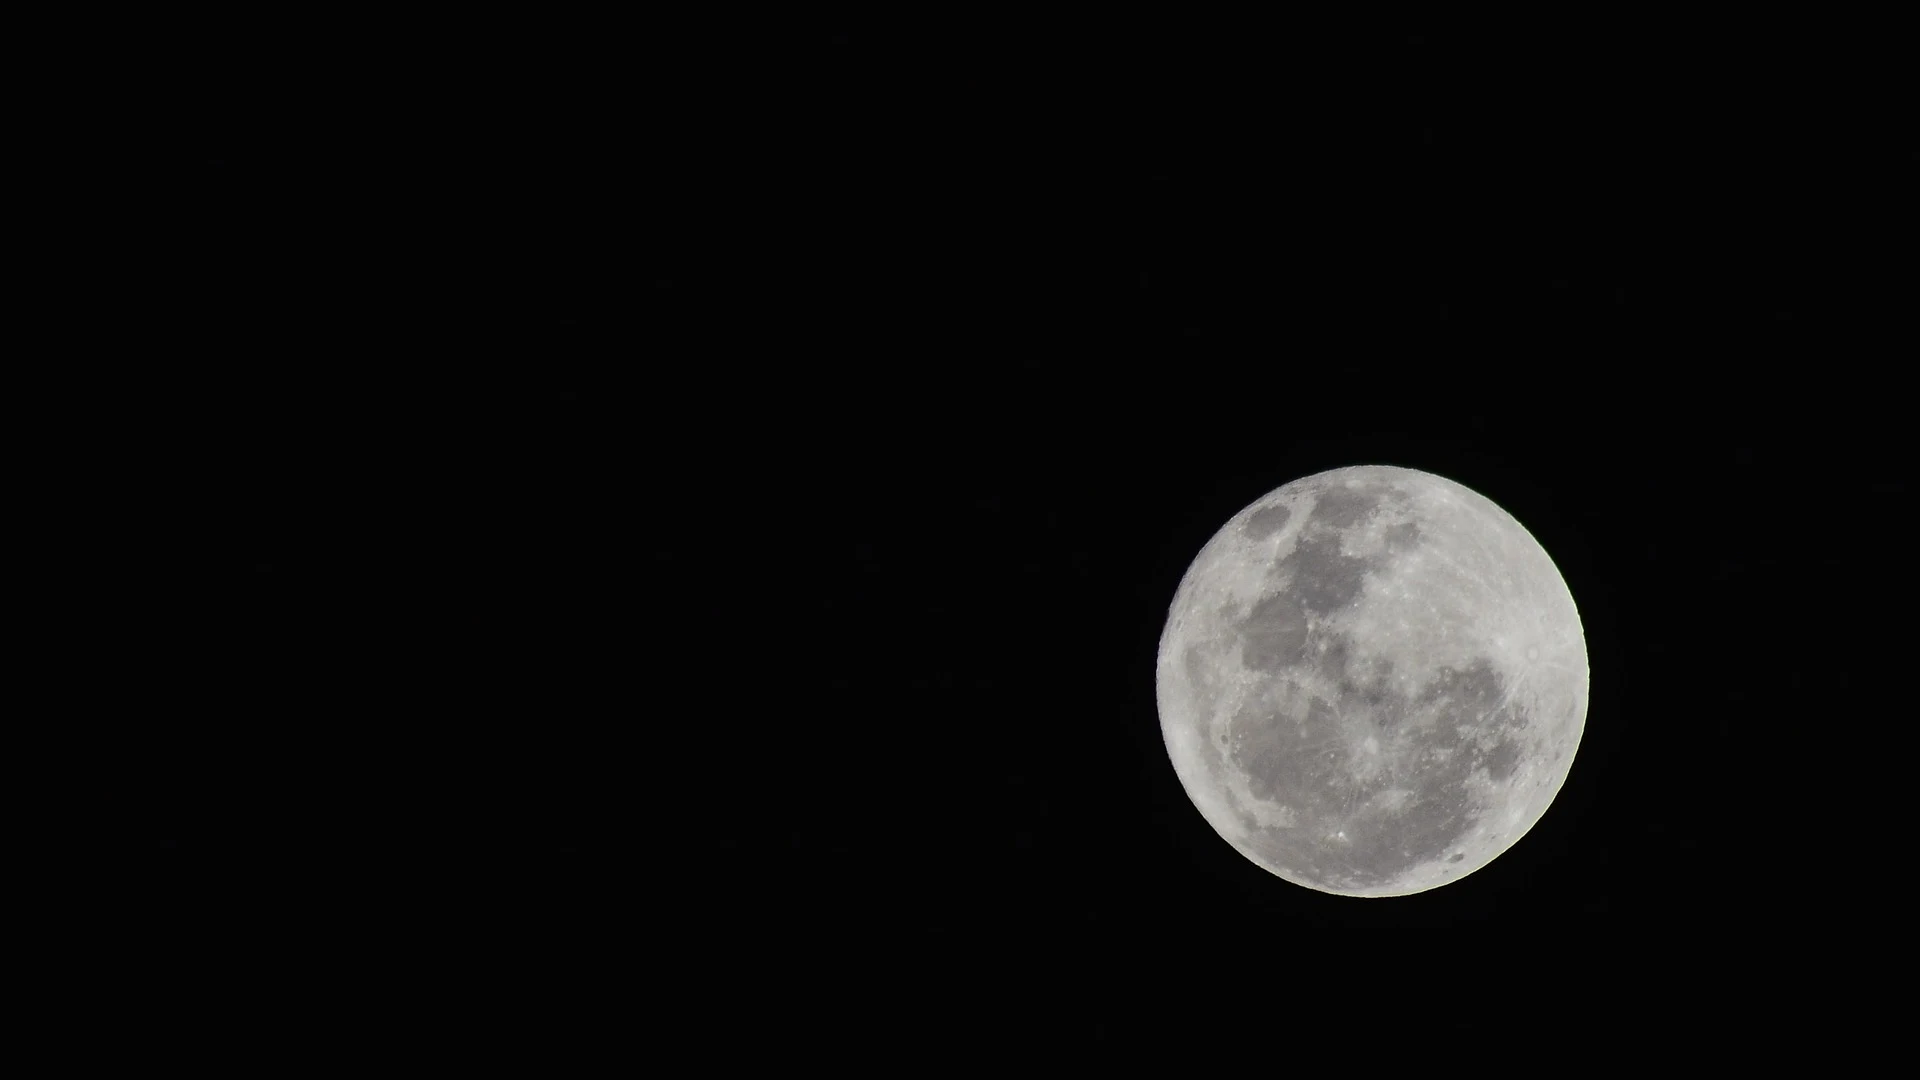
823, 419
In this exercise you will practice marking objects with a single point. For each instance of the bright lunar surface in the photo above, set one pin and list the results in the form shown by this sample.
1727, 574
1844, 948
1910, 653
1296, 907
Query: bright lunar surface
1372, 681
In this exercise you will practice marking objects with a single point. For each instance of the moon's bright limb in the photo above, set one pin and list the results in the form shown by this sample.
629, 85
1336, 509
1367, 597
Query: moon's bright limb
1372, 681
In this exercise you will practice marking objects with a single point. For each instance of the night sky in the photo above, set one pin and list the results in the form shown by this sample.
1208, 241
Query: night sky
805, 577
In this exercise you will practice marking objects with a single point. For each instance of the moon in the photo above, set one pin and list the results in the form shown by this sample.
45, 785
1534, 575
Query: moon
1372, 681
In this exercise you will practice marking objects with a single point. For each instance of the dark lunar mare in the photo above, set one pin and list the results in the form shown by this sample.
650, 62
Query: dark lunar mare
1266, 521
1323, 580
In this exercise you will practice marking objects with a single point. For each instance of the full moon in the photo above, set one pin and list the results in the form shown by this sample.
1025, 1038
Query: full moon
1372, 681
